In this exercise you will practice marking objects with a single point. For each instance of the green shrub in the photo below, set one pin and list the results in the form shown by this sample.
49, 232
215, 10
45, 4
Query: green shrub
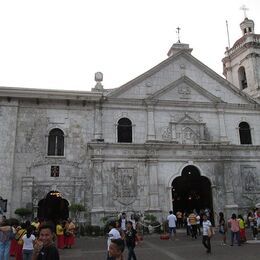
149, 217
23, 212
75, 208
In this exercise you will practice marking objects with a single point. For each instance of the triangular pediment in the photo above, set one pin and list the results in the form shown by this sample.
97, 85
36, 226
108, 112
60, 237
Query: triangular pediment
172, 80
184, 89
144, 81
187, 120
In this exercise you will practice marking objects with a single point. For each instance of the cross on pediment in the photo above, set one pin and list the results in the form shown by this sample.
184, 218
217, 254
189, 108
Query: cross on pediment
178, 33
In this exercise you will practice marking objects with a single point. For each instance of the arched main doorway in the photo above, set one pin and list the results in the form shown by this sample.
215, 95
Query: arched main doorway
53, 207
191, 191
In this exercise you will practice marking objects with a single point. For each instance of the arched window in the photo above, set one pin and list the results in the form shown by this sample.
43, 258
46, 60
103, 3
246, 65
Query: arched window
245, 133
56, 142
242, 77
124, 131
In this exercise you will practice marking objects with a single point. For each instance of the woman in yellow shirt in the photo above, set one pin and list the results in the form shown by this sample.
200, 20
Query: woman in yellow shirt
242, 228
60, 235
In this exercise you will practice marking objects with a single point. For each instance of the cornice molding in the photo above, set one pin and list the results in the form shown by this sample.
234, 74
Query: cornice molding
164, 145
27, 93
161, 104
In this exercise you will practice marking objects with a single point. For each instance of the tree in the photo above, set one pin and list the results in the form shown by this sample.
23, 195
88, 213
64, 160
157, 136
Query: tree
76, 209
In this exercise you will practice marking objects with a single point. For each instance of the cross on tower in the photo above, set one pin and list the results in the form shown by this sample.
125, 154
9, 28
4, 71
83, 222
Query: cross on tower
244, 8
178, 33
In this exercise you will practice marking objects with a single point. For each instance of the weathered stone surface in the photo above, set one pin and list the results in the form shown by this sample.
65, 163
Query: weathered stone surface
182, 114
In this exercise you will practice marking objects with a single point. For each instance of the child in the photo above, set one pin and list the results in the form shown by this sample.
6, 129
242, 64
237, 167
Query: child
116, 249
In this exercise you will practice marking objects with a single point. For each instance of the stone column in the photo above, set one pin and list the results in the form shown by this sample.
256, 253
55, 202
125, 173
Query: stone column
98, 122
214, 201
150, 121
222, 126
231, 206
79, 193
97, 211
153, 185
27, 192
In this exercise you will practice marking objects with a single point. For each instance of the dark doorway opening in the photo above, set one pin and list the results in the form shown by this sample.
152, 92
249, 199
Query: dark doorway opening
53, 207
191, 191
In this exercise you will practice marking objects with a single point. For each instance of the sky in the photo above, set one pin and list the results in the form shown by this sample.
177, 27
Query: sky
60, 44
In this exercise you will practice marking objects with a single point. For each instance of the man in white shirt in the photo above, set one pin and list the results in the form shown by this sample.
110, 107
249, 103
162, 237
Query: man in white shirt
206, 224
113, 234
172, 224
123, 221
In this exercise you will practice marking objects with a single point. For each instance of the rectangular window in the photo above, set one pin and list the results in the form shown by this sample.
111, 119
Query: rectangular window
55, 171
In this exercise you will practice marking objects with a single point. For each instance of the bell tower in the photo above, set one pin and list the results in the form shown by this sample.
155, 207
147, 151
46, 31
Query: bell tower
241, 64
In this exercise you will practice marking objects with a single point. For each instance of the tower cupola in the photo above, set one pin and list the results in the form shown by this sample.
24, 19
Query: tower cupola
241, 61
247, 26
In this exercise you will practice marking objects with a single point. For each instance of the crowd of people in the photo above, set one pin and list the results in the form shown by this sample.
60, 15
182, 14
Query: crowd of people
41, 240
194, 222
35, 240
123, 232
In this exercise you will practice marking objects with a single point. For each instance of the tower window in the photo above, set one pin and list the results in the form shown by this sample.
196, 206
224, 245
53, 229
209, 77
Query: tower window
245, 133
56, 142
242, 78
124, 131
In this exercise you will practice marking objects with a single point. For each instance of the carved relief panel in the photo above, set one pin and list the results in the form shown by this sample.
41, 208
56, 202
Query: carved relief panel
125, 185
184, 91
249, 178
186, 129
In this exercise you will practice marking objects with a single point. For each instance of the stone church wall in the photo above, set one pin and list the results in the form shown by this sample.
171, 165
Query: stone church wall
8, 121
92, 173
32, 166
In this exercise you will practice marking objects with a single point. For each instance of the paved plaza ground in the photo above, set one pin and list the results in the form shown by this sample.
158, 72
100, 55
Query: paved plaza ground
152, 248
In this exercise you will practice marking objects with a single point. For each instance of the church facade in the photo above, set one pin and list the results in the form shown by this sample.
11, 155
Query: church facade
178, 136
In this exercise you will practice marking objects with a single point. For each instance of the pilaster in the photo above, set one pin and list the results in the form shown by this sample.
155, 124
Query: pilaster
222, 126
98, 135
153, 185
97, 211
150, 120
79, 192
231, 206
27, 191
